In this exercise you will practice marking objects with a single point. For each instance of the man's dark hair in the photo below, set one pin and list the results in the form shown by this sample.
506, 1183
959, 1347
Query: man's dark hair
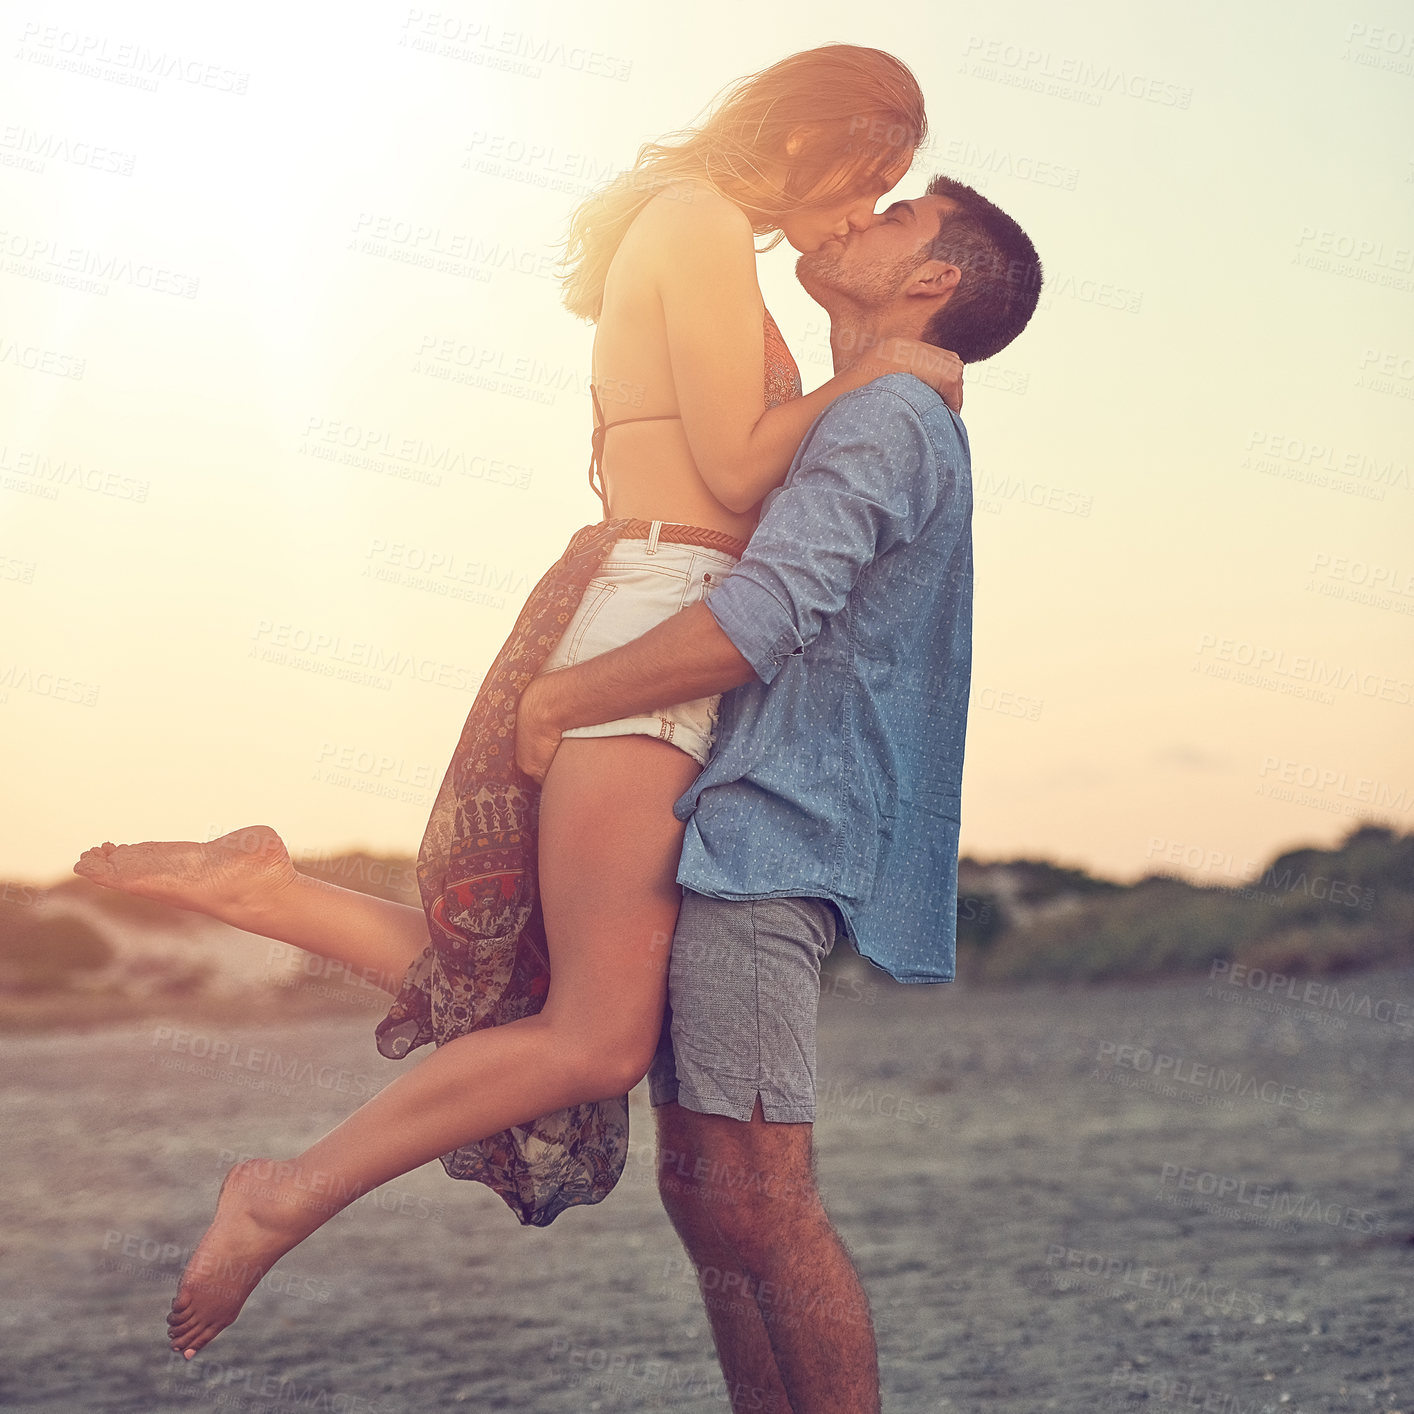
1001, 275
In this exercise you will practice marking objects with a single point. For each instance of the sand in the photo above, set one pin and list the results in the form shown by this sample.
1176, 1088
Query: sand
1185, 1195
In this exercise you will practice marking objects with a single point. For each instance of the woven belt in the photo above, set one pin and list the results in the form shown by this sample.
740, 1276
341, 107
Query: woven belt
685, 535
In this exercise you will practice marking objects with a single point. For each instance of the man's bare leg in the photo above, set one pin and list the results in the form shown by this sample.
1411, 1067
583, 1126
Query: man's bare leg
739, 1333
247, 879
758, 1188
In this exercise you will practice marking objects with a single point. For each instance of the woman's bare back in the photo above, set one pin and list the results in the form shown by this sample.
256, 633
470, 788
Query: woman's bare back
648, 467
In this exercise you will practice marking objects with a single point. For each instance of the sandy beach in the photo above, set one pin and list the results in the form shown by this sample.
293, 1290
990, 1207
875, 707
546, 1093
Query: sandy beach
1182, 1195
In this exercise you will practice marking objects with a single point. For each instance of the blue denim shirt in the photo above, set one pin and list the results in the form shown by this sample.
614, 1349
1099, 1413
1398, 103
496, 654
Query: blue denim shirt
839, 773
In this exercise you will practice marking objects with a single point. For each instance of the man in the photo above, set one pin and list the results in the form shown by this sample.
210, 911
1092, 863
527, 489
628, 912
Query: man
832, 796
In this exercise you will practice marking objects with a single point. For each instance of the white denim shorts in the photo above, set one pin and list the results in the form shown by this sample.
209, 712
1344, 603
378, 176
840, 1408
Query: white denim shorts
639, 584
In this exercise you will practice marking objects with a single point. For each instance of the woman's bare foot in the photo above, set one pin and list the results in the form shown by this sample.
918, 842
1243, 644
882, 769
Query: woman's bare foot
219, 878
261, 1213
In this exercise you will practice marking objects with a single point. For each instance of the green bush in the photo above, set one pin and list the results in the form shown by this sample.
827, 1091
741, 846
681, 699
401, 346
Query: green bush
1309, 911
43, 953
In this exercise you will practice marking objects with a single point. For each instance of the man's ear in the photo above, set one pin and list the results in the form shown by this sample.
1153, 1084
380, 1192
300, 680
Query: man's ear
932, 279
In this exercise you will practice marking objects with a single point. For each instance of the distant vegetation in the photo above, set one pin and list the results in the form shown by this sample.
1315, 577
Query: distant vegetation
1310, 911
43, 951
59, 939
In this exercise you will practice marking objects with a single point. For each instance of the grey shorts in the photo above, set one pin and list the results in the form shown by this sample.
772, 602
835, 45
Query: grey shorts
743, 998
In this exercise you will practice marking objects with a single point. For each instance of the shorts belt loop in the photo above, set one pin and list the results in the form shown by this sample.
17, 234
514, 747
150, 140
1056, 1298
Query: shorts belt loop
653, 537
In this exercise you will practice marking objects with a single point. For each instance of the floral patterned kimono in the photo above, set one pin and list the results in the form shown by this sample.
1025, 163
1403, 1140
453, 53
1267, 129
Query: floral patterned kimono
487, 961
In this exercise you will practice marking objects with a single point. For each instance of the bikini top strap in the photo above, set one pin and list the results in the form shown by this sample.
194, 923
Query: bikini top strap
596, 452
596, 443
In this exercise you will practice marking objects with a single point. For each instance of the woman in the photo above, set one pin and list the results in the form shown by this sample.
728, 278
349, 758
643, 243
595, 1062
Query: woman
546, 1004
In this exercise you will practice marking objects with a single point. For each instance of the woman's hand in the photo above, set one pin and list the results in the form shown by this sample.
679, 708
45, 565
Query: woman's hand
537, 736
939, 368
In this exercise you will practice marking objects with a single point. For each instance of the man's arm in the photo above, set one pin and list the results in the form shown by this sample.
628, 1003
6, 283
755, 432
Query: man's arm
682, 658
858, 489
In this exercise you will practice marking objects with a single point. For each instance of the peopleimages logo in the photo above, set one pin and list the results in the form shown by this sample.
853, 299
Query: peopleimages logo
1309, 459
1065, 75
102, 56
1272, 1201
1174, 1392
54, 261
136, 1254
1200, 1076
1166, 1285
236, 1056
236, 1387
511, 51
1273, 887
1326, 995
1265, 664
1362, 790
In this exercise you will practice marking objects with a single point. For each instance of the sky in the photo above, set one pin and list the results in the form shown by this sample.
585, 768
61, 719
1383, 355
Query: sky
292, 418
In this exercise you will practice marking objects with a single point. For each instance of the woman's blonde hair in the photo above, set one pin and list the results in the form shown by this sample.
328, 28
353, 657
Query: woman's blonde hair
856, 112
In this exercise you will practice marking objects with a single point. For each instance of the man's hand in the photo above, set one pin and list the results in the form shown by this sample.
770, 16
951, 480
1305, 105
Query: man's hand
537, 735
679, 660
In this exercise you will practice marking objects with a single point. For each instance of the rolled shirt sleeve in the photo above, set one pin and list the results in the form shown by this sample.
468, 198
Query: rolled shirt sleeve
862, 483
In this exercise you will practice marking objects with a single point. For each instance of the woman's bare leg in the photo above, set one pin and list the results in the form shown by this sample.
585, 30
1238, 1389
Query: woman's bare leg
247, 879
609, 851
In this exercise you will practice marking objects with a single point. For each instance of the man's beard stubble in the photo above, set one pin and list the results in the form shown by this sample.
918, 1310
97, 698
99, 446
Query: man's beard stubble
818, 270
824, 273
